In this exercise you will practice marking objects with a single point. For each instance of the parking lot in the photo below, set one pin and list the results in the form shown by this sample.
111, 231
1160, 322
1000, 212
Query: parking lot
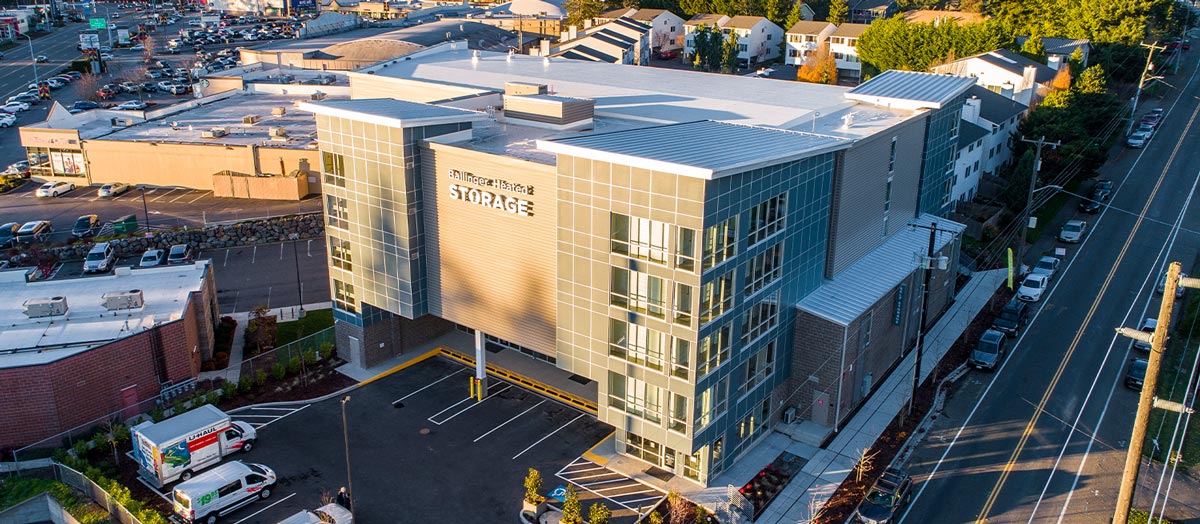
420, 450
167, 207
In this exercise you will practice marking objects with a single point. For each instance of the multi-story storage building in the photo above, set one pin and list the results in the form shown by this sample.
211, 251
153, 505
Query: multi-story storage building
653, 230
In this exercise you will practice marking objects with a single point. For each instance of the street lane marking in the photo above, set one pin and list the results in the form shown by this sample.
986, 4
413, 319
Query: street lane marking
276, 503
547, 435
427, 386
1087, 319
505, 423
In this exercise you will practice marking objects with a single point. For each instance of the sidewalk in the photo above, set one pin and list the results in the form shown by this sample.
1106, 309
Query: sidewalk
234, 371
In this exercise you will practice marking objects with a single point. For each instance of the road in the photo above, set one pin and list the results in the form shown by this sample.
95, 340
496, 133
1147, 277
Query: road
1044, 438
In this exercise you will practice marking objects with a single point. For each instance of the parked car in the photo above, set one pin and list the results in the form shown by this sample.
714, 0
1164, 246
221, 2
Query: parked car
180, 89
1100, 194
131, 105
1162, 285
328, 514
24, 97
149, 87
35, 231
887, 498
13, 107
106, 56
153, 74
222, 490
41, 59
989, 351
1012, 318
101, 258
8, 234
106, 93
669, 54
129, 87
112, 189
18, 168
179, 254
85, 226
1073, 231
85, 105
1136, 375
1033, 287
53, 189
1138, 140
1048, 266
7, 119
152, 257
1147, 325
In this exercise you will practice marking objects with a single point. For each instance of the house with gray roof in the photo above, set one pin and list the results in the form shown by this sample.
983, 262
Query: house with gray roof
758, 38
804, 38
1059, 50
622, 41
666, 28
1005, 72
866, 11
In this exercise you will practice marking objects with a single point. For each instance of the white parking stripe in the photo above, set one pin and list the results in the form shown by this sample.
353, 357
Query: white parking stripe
548, 435
635, 501
431, 384
202, 195
468, 408
250, 516
249, 415
605, 474
181, 197
283, 416
509, 420
155, 490
277, 409
599, 482
452, 406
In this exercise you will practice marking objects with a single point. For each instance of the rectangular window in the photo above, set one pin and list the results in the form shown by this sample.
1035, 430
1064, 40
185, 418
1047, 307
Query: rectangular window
683, 304
634, 397
712, 403
760, 318
764, 268
685, 249
887, 195
713, 350
892, 157
343, 296
333, 166
759, 366
230, 489
638, 291
753, 423
716, 297
339, 253
637, 344
337, 214
766, 219
742, 48
680, 358
639, 238
691, 465
678, 420
720, 243
864, 333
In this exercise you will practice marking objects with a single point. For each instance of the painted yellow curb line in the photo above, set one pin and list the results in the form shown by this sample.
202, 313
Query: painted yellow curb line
401, 367
538, 386
597, 458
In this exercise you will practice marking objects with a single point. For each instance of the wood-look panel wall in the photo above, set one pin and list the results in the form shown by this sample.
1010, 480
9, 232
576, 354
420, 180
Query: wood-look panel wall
487, 268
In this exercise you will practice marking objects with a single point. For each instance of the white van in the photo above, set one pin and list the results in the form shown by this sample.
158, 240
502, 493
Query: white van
221, 491
327, 514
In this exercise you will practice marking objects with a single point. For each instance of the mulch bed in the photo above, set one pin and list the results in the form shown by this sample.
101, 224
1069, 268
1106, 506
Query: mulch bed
841, 505
322, 379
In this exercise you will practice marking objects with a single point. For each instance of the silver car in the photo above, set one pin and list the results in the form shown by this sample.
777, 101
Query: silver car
1072, 232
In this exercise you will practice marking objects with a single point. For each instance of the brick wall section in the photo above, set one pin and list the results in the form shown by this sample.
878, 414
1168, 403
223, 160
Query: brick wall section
386, 339
60, 395
816, 348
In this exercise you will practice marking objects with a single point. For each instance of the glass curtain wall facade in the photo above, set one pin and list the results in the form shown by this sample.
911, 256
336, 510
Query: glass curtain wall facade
676, 294
937, 170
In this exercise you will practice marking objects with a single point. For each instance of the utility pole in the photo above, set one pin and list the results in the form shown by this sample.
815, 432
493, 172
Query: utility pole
929, 264
1142, 83
1037, 166
1147, 400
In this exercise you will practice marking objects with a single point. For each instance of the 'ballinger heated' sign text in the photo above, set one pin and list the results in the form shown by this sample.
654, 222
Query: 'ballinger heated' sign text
483, 197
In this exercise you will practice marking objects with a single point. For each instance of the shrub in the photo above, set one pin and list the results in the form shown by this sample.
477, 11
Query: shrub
293, 365
599, 514
279, 370
213, 397
157, 415
326, 349
310, 358
533, 486
228, 389
244, 384
260, 377
572, 510
80, 448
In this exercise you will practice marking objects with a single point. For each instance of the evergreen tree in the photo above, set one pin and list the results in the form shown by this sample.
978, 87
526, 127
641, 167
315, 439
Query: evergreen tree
1033, 47
691, 8
794, 15
776, 11
729, 53
1076, 61
701, 44
1092, 81
839, 11
579, 11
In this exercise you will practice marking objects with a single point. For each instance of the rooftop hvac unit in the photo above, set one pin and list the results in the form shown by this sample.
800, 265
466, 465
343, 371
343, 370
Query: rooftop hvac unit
216, 132
45, 307
117, 300
250, 119
789, 415
122, 122
317, 96
279, 111
278, 132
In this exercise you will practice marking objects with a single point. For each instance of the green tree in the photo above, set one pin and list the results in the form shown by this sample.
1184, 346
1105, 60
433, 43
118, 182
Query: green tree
729, 53
655, 518
702, 47
1076, 61
572, 511
896, 43
1092, 80
776, 11
1033, 48
839, 11
794, 15
691, 8
599, 514
579, 11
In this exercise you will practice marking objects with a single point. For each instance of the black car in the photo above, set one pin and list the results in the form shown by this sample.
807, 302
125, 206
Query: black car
886, 499
84, 105
1012, 318
8, 234
1100, 194
149, 87
1136, 374
85, 226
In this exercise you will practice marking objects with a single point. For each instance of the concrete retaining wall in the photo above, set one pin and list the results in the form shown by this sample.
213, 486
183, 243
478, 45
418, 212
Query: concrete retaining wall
41, 508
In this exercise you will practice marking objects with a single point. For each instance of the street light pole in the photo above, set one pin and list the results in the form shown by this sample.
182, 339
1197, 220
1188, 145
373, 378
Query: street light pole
145, 208
33, 57
1037, 166
1142, 83
346, 441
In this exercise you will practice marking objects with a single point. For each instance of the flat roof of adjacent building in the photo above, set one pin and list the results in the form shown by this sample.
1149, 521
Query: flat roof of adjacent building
87, 324
391, 112
189, 126
653, 95
911, 89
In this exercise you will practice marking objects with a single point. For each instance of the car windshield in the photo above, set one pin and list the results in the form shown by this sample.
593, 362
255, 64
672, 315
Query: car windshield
988, 346
1073, 228
83, 222
1032, 283
1045, 264
880, 498
96, 255
257, 469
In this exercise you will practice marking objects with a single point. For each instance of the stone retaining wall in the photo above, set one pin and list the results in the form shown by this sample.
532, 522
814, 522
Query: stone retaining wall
263, 231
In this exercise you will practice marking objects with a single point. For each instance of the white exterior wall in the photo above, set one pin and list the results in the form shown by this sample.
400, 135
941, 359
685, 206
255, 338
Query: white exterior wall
665, 30
846, 54
968, 167
761, 43
799, 44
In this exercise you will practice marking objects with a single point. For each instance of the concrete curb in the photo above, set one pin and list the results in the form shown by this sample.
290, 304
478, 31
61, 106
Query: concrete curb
322, 398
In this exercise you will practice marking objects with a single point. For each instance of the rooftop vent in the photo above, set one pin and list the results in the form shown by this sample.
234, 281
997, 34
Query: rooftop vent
118, 300
45, 307
216, 132
278, 132
278, 111
251, 119
524, 88
318, 96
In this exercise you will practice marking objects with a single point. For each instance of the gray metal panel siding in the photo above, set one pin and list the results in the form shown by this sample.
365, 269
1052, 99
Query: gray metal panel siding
857, 224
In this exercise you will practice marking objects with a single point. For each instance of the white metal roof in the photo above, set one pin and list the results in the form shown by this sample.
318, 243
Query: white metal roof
850, 293
391, 112
176, 426
910, 89
704, 149
87, 324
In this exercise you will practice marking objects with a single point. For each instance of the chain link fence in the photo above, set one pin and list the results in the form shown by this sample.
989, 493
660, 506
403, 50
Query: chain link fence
290, 354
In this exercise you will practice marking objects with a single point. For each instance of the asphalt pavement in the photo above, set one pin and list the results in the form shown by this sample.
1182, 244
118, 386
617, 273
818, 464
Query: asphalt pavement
1044, 438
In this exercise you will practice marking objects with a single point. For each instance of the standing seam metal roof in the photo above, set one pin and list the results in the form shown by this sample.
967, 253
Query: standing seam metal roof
706, 149
930, 88
850, 293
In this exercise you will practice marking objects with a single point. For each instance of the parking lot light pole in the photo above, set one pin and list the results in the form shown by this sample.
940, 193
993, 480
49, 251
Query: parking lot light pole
346, 441
299, 283
145, 208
